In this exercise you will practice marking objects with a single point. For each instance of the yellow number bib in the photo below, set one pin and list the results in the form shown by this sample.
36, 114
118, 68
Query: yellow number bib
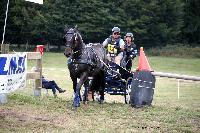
111, 49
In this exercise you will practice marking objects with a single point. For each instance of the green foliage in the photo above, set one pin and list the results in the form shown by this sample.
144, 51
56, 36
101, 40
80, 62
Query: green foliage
191, 29
153, 22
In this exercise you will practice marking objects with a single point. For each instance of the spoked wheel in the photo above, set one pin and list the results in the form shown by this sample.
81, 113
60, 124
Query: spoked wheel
128, 90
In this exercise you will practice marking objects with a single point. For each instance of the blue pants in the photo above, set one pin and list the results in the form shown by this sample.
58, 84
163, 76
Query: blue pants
51, 85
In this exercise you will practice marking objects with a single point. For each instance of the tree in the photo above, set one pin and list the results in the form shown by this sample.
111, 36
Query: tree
191, 29
155, 23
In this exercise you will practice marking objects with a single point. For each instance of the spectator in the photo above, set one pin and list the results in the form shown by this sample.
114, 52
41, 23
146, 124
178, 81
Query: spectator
51, 84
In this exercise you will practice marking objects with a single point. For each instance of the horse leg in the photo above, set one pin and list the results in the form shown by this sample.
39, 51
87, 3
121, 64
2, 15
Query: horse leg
74, 80
93, 95
80, 96
93, 86
83, 78
85, 95
102, 87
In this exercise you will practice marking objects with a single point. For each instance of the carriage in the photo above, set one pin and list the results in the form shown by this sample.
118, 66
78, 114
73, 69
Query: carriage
136, 87
118, 81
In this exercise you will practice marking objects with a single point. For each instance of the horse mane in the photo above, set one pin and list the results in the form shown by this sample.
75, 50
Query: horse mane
80, 38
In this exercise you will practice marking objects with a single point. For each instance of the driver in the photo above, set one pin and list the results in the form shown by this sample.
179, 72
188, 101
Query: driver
115, 46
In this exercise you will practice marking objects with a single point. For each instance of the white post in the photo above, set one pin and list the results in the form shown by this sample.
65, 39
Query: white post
178, 87
4, 29
3, 98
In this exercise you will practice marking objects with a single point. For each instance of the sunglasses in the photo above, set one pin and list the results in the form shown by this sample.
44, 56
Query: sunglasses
128, 36
116, 33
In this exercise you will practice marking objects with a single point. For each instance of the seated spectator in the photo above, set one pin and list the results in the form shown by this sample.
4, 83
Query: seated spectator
51, 84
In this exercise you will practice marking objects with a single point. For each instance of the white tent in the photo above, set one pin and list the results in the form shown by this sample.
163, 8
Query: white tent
36, 1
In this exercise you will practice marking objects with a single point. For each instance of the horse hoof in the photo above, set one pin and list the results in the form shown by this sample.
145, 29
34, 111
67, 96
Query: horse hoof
101, 101
74, 108
75, 105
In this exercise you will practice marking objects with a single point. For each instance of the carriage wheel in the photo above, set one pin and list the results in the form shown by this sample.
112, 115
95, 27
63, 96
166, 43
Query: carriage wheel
128, 90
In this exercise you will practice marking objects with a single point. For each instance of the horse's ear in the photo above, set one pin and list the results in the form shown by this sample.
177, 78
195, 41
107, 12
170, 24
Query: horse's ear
66, 28
76, 27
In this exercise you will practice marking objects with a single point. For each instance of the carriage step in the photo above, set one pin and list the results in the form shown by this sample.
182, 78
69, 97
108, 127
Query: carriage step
116, 93
90, 78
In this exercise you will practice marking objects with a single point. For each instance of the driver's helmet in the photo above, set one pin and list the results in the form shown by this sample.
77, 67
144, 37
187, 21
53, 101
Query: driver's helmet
115, 29
129, 34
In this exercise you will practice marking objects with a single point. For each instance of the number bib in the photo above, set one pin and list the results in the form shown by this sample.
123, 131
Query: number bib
111, 49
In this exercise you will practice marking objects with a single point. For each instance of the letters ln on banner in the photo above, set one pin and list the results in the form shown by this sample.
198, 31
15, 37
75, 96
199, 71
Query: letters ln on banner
36, 1
13, 70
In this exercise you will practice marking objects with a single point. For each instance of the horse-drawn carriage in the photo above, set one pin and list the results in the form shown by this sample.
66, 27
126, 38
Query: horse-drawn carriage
90, 61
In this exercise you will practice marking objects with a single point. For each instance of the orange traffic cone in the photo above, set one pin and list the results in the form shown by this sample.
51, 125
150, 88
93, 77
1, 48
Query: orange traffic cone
143, 63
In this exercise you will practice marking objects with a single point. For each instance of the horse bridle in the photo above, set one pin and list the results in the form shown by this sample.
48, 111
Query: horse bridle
75, 36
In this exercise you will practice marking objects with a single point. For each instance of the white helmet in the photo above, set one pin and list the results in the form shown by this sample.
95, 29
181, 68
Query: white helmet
116, 29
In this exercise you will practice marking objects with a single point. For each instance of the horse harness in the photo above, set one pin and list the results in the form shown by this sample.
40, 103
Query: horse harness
77, 53
88, 60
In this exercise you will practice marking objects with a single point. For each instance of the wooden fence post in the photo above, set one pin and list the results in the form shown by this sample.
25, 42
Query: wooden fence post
38, 82
35, 74
4, 48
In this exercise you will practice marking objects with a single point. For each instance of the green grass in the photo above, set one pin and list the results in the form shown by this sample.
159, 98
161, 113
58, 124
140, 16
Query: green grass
184, 66
176, 65
177, 50
24, 113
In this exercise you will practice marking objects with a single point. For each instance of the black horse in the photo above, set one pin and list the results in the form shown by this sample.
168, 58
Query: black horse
84, 61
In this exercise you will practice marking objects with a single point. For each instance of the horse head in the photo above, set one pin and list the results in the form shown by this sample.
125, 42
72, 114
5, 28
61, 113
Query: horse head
73, 41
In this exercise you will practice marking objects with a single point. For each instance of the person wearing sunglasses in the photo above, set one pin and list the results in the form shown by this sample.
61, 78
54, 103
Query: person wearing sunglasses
130, 50
115, 46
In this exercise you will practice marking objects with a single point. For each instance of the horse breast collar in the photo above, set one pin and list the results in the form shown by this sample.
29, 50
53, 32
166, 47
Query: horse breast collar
81, 61
88, 60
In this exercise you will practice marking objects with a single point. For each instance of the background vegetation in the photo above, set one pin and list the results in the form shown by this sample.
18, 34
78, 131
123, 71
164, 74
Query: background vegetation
153, 22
